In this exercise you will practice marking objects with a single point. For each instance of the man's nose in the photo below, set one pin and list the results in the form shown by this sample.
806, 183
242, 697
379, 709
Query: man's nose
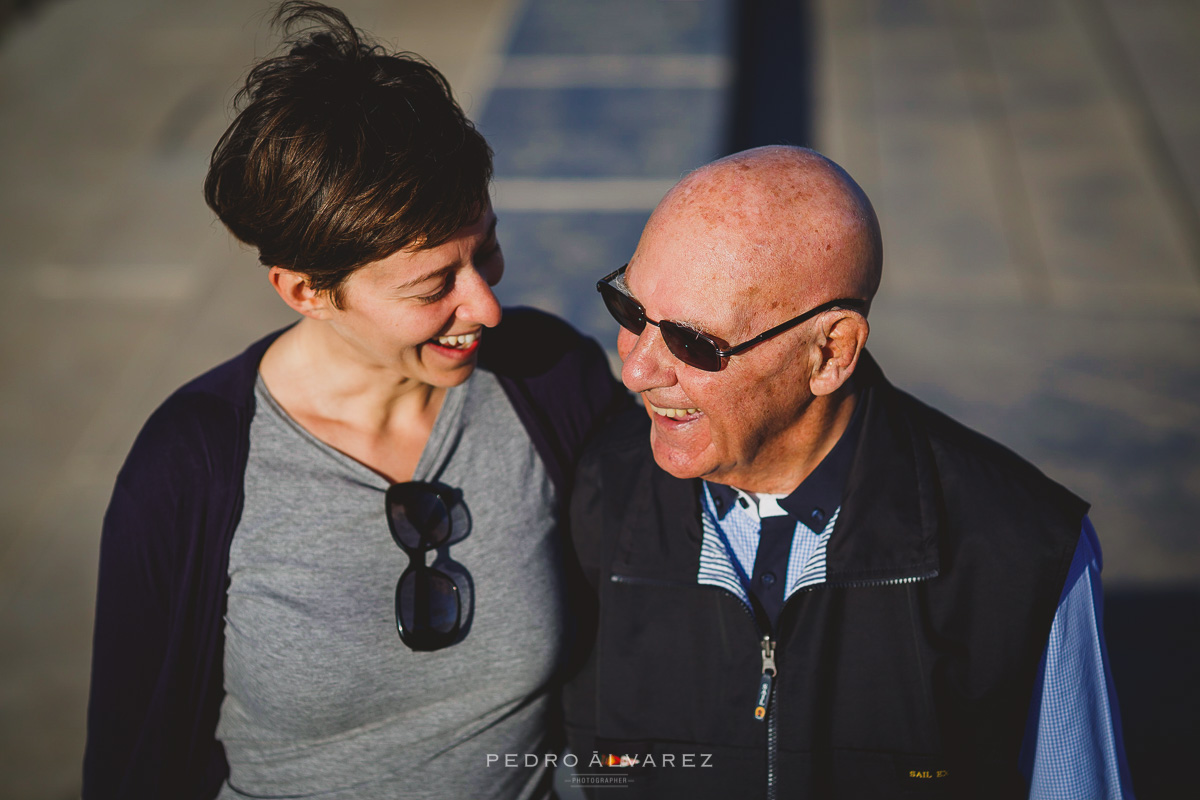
646, 361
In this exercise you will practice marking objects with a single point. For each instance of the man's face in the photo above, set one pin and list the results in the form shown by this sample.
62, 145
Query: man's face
731, 426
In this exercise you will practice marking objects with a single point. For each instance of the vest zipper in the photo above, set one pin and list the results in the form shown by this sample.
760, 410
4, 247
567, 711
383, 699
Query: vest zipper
838, 584
768, 693
766, 708
772, 744
767, 698
768, 677
883, 582
637, 579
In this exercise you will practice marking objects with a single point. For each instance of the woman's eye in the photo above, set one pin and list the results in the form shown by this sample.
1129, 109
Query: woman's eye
442, 291
433, 298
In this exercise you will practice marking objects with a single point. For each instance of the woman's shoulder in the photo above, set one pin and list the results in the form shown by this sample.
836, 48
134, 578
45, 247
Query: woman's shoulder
556, 365
557, 379
229, 382
528, 343
198, 423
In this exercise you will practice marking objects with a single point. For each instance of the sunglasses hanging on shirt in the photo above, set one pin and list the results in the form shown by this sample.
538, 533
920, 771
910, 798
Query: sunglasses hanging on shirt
429, 605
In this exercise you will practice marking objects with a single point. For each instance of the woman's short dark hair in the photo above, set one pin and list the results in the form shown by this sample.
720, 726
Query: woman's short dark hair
342, 153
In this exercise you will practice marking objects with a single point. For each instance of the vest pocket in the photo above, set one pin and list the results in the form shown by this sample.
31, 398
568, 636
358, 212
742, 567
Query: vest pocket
879, 776
676, 662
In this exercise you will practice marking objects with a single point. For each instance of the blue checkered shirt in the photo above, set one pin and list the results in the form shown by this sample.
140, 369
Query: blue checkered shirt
1072, 747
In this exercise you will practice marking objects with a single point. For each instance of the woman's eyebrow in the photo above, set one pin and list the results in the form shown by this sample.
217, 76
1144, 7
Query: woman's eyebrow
437, 273
428, 276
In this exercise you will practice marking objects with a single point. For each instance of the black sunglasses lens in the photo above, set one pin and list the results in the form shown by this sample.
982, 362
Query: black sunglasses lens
624, 309
690, 347
427, 608
418, 516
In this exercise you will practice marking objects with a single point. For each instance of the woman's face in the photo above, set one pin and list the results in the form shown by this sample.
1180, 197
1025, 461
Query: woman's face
419, 314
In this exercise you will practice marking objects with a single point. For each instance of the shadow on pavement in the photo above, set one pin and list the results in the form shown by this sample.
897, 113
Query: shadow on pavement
11, 10
773, 83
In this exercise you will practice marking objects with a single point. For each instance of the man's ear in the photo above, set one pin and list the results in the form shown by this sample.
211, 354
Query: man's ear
844, 336
295, 291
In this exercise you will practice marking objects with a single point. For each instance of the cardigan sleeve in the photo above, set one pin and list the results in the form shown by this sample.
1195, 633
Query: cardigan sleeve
129, 642
559, 383
156, 679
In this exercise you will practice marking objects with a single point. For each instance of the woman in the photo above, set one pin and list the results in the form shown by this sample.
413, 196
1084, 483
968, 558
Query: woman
392, 463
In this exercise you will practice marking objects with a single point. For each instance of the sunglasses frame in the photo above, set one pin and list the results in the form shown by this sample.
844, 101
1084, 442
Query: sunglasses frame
429, 638
611, 294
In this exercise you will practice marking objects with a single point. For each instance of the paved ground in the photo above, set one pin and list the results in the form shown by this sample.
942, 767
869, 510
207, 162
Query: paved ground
1037, 171
1034, 165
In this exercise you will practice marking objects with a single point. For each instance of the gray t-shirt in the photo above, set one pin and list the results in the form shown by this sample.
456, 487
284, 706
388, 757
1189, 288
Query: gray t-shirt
322, 697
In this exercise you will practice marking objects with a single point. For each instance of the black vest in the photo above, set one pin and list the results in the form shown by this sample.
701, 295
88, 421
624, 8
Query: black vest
908, 673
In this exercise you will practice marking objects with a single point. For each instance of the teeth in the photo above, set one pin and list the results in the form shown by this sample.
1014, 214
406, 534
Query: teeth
674, 413
457, 341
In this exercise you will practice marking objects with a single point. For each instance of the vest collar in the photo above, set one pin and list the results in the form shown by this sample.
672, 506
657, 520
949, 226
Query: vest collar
887, 529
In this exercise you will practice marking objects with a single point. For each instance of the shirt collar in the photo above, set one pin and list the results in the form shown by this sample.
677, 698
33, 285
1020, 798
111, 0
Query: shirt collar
818, 495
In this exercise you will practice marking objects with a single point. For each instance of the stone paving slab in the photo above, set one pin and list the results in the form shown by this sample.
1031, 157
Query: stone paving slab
1036, 167
1039, 283
626, 27
586, 132
557, 259
639, 95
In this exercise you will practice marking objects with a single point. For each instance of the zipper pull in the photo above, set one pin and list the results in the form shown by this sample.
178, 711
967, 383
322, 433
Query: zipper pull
768, 676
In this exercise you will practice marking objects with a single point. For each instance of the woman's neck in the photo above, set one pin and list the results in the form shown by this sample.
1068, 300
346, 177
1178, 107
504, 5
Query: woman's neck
328, 375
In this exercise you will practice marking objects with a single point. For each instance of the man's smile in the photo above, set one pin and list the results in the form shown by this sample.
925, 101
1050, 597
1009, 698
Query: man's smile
674, 413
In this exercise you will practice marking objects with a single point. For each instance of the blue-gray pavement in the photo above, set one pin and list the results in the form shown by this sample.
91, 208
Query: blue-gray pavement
555, 260
623, 27
1035, 171
1034, 165
605, 124
592, 132
1110, 415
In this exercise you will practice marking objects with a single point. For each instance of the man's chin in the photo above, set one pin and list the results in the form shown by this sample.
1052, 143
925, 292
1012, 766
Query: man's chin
680, 462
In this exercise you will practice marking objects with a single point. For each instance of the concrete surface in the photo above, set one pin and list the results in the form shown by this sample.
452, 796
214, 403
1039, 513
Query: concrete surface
1036, 166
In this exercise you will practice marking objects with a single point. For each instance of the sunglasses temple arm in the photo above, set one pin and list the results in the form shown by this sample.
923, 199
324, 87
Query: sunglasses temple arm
778, 329
791, 323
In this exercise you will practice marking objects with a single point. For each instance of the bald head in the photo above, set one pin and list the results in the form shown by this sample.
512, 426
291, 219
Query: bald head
751, 252
786, 219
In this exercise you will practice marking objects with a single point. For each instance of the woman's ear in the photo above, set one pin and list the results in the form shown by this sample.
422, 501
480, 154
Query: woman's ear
295, 290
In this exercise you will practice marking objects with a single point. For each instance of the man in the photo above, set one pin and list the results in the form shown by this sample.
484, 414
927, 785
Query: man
809, 584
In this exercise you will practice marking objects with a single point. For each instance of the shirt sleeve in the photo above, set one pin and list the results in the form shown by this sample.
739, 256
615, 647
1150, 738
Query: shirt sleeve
1073, 745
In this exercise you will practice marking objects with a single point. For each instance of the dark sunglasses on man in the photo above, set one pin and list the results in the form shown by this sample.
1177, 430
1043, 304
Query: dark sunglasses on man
429, 606
692, 347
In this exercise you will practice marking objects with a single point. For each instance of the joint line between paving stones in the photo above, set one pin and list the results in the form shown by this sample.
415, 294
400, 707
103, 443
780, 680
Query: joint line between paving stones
1123, 76
1003, 161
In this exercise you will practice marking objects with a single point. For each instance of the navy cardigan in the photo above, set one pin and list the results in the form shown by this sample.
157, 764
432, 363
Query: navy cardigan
157, 660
